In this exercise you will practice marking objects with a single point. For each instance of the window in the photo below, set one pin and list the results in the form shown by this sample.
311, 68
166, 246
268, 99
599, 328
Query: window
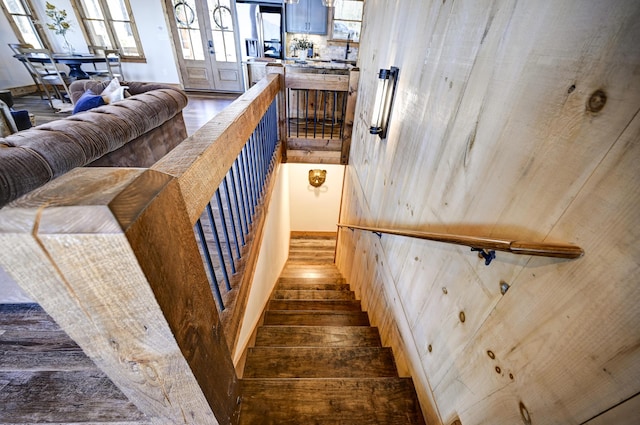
22, 19
222, 30
188, 29
110, 23
347, 20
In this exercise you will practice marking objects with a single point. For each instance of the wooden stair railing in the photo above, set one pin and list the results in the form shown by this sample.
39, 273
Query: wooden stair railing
110, 254
483, 244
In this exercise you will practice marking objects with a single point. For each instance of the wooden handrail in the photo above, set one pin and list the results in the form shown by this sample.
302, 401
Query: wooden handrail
541, 249
110, 254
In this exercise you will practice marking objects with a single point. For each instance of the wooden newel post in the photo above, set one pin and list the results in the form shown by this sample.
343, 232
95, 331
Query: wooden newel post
116, 264
352, 95
276, 68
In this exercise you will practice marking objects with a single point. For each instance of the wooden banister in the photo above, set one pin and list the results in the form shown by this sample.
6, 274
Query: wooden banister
200, 165
541, 249
111, 255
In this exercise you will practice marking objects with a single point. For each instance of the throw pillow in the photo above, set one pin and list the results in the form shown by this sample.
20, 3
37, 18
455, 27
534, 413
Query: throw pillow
88, 100
114, 92
22, 119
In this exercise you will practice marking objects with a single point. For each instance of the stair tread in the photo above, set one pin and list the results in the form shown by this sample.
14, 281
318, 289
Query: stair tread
330, 401
320, 362
318, 336
315, 305
310, 270
311, 281
316, 318
312, 294
303, 286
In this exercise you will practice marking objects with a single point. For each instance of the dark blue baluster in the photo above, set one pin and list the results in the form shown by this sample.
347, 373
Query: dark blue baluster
251, 176
232, 216
324, 114
207, 260
225, 232
254, 171
288, 113
216, 238
247, 176
235, 186
245, 186
260, 157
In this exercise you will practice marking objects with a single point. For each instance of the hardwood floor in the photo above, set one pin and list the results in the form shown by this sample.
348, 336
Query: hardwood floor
46, 378
200, 109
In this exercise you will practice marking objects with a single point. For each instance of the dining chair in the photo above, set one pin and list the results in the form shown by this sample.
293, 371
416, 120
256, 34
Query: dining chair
56, 80
98, 73
114, 64
32, 72
7, 123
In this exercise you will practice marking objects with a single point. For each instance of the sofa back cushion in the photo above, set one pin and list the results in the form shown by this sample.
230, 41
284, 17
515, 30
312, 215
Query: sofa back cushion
150, 121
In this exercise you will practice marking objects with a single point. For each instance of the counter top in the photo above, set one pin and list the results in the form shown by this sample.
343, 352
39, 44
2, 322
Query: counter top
313, 65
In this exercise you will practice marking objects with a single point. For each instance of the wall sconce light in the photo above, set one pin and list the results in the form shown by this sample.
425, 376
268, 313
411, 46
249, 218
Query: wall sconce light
317, 177
329, 3
387, 79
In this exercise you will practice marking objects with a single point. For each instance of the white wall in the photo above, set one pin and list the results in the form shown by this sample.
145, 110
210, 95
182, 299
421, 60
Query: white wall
152, 28
315, 209
156, 41
274, 251
295, 206
12, 73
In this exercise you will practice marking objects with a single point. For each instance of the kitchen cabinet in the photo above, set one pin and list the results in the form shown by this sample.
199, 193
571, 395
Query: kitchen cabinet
308, 17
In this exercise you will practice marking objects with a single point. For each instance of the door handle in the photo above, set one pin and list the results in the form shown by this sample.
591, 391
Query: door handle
210, 43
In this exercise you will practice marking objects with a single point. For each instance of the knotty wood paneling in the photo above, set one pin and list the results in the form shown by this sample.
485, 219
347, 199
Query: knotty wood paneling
496, 132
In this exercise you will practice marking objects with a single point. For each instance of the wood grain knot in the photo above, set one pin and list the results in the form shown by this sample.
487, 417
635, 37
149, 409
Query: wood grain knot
524, 413
490, 354
498, 370
462, 316
430, 348
597, 101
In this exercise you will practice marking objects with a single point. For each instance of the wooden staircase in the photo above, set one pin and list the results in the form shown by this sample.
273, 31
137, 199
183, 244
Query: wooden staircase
316, 359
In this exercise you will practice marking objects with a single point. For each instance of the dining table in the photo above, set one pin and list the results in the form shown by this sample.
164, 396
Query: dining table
73, 61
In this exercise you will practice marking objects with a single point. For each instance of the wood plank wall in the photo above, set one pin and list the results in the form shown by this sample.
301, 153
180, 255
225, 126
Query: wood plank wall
512, 119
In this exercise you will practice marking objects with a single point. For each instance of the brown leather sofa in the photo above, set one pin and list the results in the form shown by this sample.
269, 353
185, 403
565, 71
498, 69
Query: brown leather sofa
134, 132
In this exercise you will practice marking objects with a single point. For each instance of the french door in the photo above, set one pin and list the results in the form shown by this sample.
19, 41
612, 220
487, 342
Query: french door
205, 37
